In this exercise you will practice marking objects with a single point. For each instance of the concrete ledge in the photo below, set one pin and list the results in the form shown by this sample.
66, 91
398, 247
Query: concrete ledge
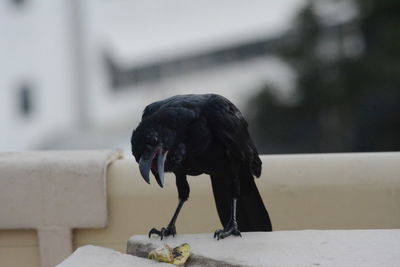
318, 191
351, 248
54, 192
92, 256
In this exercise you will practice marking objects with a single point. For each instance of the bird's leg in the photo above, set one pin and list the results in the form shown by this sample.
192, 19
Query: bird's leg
232, 227
170, 229
183, 192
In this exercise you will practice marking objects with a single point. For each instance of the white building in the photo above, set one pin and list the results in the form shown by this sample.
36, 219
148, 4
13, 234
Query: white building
77, 74
36, 72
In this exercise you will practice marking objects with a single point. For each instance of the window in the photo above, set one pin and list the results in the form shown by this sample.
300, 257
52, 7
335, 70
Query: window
18, 3
25, 100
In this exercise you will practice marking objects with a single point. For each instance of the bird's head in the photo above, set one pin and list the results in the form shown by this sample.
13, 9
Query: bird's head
150, 146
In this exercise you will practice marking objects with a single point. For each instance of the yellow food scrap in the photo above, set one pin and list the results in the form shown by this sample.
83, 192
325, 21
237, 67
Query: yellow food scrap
162, 254
181, 254
177, 256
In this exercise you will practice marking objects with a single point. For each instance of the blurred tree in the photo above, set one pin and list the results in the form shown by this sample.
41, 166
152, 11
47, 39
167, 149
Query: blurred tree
348, 82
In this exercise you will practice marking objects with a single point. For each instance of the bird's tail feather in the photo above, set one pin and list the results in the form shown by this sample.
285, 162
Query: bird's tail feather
251, 213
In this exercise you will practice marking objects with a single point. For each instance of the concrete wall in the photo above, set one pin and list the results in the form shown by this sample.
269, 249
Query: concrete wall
321, 191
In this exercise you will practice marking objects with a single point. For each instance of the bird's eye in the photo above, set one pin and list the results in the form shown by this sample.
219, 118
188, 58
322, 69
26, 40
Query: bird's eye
153, 140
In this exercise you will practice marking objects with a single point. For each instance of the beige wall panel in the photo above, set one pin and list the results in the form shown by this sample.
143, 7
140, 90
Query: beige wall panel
19, 248
319, 191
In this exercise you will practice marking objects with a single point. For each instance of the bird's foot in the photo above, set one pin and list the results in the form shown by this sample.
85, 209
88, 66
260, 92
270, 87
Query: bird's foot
165, 231
231, 229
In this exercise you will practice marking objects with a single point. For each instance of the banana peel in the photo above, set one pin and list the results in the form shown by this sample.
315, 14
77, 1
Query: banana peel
161, 254
165, 253
181, 254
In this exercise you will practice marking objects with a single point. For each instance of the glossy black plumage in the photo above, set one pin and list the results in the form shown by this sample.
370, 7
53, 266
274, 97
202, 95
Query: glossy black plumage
204, 134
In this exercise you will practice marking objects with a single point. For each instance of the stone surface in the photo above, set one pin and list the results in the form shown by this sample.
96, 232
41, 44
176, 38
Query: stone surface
351, 248
92, 256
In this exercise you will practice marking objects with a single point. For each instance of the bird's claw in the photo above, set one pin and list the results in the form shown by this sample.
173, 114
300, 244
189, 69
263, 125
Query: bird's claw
165, 231
221, 234
154, 231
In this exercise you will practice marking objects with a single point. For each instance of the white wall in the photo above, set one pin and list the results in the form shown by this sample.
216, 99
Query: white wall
35, 49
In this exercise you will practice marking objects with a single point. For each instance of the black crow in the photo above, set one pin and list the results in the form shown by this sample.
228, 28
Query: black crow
195, 134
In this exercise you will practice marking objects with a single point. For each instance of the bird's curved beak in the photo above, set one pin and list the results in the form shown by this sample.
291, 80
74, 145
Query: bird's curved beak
154, 161
159, 172
144, 167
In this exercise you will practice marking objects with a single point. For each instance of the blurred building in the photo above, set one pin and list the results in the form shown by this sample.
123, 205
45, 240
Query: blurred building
77, 74
36, 72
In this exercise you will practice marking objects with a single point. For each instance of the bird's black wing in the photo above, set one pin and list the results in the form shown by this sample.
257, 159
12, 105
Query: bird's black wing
229, 126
